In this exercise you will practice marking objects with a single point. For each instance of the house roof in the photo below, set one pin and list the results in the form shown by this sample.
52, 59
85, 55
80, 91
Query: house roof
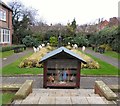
59, 50
4, 5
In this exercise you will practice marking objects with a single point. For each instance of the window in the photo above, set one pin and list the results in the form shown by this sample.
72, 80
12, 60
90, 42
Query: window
5, 36
2, 15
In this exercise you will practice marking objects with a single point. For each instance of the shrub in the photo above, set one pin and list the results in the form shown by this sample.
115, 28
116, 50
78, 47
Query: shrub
28, 63
91, 63
53, 41
69, 47
33, 60
8, 48
81, 40
49, 48
30, 41
39, 65
106, 47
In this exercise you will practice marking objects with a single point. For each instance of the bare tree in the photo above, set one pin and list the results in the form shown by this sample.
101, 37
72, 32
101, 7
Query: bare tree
22, 17
17, 8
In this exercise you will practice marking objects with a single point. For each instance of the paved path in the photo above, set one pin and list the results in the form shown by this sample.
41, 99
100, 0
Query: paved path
85, 82
14, 57
69, 97
110, 60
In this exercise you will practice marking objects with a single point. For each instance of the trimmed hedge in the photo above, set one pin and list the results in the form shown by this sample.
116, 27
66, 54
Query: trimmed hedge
8, 48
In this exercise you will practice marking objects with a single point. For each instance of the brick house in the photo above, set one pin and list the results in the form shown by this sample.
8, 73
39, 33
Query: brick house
5, 24
114, 21
103, 24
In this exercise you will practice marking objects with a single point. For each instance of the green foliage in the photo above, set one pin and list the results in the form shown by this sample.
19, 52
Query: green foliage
73, 24
71, 29
22, 18
53, 41
8, 48
109, 35
67, 39
81, 40
39, 36
106, 47
21, 30
30, 41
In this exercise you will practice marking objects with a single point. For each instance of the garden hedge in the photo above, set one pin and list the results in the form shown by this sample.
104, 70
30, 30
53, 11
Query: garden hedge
8, 48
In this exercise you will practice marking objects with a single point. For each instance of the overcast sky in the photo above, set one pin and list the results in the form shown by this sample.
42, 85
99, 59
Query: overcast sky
63, 11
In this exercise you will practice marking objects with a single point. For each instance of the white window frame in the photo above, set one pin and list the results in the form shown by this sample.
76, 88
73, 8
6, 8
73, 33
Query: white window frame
2, 15
5, 34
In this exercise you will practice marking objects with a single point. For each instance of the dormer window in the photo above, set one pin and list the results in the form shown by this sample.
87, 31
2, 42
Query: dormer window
2, 15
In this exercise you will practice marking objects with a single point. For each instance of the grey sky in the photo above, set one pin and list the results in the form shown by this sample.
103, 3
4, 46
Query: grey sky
62, 11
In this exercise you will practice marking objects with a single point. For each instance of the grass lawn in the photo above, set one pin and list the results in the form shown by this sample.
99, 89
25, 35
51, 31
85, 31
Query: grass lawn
105, 69
6, 54
13, 69
112, 54
6, 98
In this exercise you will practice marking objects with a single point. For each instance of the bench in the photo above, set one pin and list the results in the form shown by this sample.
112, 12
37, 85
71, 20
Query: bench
24, 90
103, 90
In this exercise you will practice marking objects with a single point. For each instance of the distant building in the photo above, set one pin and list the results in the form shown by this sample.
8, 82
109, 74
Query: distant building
103, 24
114, 21
5, 24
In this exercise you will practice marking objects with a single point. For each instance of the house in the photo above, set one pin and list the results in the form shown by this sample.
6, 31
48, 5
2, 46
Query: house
103, 24
114, 21
61, 68
5, 24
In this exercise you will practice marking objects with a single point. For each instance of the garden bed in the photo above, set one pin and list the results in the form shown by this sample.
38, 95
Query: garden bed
105, 69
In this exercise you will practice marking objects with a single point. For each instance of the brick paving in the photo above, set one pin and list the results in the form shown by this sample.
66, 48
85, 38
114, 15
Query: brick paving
63, 96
